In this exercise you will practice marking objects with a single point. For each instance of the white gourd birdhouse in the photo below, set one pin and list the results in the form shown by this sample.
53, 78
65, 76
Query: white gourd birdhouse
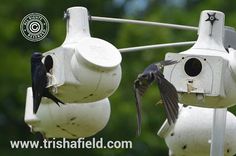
205, 74
191, 135
85, 72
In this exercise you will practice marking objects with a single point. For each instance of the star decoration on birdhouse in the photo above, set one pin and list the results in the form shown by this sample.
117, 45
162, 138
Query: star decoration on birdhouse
212, 18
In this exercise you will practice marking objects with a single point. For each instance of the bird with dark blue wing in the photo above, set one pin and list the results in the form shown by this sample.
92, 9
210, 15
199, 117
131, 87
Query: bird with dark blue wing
40, 81
168, 92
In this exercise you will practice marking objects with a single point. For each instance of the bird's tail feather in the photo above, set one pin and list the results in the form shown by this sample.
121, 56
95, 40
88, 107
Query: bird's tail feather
36, 105
53, 98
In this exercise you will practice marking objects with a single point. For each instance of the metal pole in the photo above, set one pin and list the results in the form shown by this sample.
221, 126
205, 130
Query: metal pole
119, 20
132, 49
218, 132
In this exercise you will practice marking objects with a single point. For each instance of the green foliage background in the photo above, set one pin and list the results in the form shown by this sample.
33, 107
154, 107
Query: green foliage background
15, 55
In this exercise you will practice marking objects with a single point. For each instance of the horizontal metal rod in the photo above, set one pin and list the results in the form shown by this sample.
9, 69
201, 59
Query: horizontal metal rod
119, 20
132, 49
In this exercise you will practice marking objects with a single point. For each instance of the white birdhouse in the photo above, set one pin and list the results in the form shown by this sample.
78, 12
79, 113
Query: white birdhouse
85, 69
205, 74
85, 72
191, 134
71, 121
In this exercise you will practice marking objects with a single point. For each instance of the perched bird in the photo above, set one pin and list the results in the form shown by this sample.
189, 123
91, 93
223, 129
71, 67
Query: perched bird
168, 92
40, 81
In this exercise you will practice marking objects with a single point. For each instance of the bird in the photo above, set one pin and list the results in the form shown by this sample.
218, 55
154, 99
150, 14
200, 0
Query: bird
40, 82
168, 93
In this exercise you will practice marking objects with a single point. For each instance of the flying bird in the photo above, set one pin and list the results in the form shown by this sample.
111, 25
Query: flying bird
40, 81
168, 92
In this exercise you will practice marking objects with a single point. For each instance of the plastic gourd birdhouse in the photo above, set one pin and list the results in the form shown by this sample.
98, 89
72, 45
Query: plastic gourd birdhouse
85, 72
205, 75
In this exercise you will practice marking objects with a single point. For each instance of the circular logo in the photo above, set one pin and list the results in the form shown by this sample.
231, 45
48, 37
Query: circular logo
34, 27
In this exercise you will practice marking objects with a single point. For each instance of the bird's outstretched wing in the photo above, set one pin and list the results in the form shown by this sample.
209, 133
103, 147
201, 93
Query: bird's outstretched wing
139, 90
139, 110
169, 97
39, 82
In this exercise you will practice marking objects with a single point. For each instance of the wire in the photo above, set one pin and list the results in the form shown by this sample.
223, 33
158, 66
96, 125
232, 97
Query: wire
119, 20
132, 49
